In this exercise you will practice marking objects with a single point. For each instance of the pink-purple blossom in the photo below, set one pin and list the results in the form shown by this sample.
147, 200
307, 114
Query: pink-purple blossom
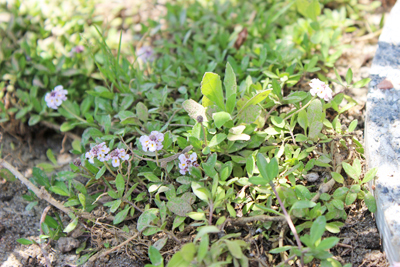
101, 152
145, 54
55, 98
152, 142
186, 161
320, 89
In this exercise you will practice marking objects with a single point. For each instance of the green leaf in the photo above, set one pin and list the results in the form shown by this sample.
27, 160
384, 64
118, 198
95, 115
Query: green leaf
203, 248
71, 226
352, 126
178, 261
349, 76
334, 227
201, 192
337, 177
230, 88
120, 183
303, 204
120, 217
317, 229
369, 175
302, 120
315, 112
59, 191
234, 249
100, 172
278, 121
273, 169
370, 202
25, 241
328, 243
142, 112
309, 8
188, 251
220, 118
146, 218
34, 119
262, 165
280, 249
350, 170
361, 83
255, 99
51, 157
217, 139
155, 256
7, 175
211, 87
350, 198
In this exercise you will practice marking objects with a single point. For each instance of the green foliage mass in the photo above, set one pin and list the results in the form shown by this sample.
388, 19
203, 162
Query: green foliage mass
257, 133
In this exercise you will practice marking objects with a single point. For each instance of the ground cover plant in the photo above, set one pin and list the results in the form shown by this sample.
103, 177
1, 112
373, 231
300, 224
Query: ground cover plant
220, 139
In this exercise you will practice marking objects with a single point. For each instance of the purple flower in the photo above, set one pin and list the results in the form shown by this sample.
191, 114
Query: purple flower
152, 142
186, 161
145, 54
100, 151
116, 156
55, 98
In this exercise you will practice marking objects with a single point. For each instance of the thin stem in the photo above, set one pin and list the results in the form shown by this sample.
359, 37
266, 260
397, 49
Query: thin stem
158, 164
205, 134
211, 213
73, 114
289, 221
306, 105
109, 169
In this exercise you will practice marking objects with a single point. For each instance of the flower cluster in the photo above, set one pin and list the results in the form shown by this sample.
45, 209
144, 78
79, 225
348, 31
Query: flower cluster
320, 89
101, 152
186, 161
76, 50
55, 98
116, 156
152, 142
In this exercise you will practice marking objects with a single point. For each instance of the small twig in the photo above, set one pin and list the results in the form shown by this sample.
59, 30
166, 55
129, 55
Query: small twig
281, 237
134, 205
115, 248
43, 194
291, 258
270, 111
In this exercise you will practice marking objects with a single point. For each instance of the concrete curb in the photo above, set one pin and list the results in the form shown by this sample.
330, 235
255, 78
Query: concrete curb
382, 135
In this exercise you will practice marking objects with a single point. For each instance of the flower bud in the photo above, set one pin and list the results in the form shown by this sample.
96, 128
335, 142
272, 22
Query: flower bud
199, 119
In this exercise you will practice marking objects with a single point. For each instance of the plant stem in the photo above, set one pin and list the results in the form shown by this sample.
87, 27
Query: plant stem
73, 114
109, 169
289, 221
306, 105
205, 134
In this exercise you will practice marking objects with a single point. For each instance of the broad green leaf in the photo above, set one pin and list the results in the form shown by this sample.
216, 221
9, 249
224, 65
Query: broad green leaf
203, 248
217, 139
315, 129
120, 217
302, 120
25, 241
211, 87
314, 112
256, 99
361, 83
317, 229
303, 204
100, 172
349, 76
146, 219
220, 118
273, 168
142, 112
178, 261
328, 243
352, 172
278, 121
262, 165
71, 226
188, 251
352, 126
337, 177
370, 202
230, 88
369, 175
350, 198
120, 184
155, 256
234, 249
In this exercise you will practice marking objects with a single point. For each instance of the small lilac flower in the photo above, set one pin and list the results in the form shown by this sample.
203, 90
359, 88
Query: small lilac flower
320, 89
153, 142
145, 54
186, 161
116, 156
100, 151
55, 98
